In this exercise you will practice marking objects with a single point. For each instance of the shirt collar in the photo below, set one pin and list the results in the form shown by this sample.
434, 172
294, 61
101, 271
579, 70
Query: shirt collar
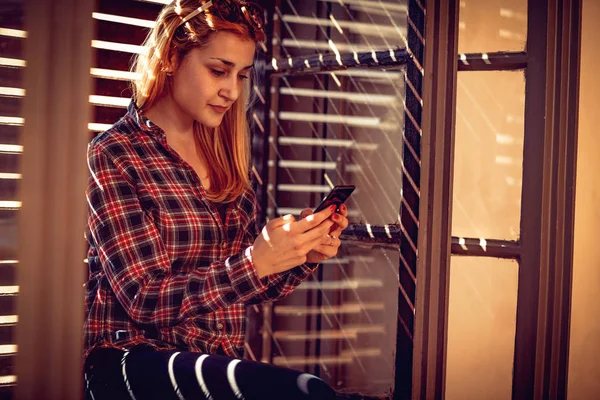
143, 122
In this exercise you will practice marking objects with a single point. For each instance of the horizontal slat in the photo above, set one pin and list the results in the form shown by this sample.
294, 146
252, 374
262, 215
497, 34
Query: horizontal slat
341, 285
323, 45
361, 98
12, 62
303, 188
119, 19
304, 164
13, 32
296, 211
119, 47
109, 101
363, 28
351, 120
346, 357
309, 141
111, 74
8, 380
107, 64
371, 5
348, 308
347, 332
9, 205
297, 361
10, 99
349, 259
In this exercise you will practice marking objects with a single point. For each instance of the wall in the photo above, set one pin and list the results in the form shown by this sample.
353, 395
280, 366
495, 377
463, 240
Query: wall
584, 363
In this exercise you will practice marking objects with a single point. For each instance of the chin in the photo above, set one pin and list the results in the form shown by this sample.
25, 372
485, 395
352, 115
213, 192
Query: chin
211, 122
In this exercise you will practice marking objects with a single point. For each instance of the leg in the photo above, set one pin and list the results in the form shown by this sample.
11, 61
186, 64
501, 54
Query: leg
144, 373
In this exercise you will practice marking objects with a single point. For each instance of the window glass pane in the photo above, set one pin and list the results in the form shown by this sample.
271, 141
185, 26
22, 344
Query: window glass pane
344, 134
492, 25
481, 328
356, 307
354, 26
488, 161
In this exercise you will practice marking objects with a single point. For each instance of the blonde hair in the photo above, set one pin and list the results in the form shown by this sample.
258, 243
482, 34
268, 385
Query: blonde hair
225, 149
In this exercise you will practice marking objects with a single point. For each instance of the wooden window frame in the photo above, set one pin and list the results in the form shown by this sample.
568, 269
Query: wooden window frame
545, 248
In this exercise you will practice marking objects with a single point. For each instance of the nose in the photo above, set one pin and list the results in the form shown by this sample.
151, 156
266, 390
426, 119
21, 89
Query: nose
231, 88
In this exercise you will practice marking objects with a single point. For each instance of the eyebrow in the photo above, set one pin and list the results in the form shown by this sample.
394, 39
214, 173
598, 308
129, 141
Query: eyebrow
231, 64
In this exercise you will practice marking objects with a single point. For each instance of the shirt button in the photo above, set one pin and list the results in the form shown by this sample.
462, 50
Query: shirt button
219, 326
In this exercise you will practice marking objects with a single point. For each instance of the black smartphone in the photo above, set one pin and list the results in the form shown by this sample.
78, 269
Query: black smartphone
338, 195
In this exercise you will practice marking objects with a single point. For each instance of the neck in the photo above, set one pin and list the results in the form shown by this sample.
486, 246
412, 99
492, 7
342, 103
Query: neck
178, 127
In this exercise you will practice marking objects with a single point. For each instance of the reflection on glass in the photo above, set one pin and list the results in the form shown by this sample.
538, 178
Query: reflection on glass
481, 328
353, 313
352, 26
488, 160
349, 133
342, 127
492, 25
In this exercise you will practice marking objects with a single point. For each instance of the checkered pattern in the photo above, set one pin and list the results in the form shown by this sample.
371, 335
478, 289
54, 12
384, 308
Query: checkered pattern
164, 269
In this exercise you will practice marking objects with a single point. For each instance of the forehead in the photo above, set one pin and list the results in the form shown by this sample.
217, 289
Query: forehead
230, 47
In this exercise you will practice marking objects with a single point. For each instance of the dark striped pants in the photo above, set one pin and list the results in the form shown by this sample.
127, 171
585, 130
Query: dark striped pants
144, 373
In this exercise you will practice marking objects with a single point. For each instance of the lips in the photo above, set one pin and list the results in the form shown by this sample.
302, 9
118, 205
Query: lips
219, 109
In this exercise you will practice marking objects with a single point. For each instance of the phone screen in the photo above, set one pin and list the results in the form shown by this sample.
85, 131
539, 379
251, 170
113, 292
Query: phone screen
337, 196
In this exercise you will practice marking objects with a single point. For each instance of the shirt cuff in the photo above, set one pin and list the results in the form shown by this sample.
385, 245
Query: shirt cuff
243, 276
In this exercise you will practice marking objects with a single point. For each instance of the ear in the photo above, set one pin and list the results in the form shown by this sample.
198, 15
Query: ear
172, 63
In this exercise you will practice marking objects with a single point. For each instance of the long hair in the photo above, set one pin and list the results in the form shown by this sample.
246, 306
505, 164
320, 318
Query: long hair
225, 149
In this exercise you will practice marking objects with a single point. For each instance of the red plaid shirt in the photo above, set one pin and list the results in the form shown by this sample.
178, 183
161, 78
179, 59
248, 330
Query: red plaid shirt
164, 269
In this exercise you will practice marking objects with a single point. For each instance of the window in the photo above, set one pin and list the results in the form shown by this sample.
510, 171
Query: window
336, 115
516, 279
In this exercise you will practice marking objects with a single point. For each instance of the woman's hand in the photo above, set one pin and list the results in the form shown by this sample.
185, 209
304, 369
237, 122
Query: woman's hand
329, 245
284, 242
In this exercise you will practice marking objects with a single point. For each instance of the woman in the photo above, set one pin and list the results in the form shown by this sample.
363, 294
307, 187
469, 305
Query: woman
174, 251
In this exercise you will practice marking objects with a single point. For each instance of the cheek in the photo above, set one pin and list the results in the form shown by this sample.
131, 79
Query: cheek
190, 92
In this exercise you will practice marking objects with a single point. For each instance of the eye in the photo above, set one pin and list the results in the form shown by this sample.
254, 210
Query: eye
243, 77
217, 72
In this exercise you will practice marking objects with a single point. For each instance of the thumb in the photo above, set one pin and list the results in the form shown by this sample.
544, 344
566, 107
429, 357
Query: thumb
305, 213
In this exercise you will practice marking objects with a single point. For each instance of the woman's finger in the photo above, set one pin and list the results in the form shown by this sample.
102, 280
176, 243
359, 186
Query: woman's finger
344, 210
305, 213
341, 223
327, 251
